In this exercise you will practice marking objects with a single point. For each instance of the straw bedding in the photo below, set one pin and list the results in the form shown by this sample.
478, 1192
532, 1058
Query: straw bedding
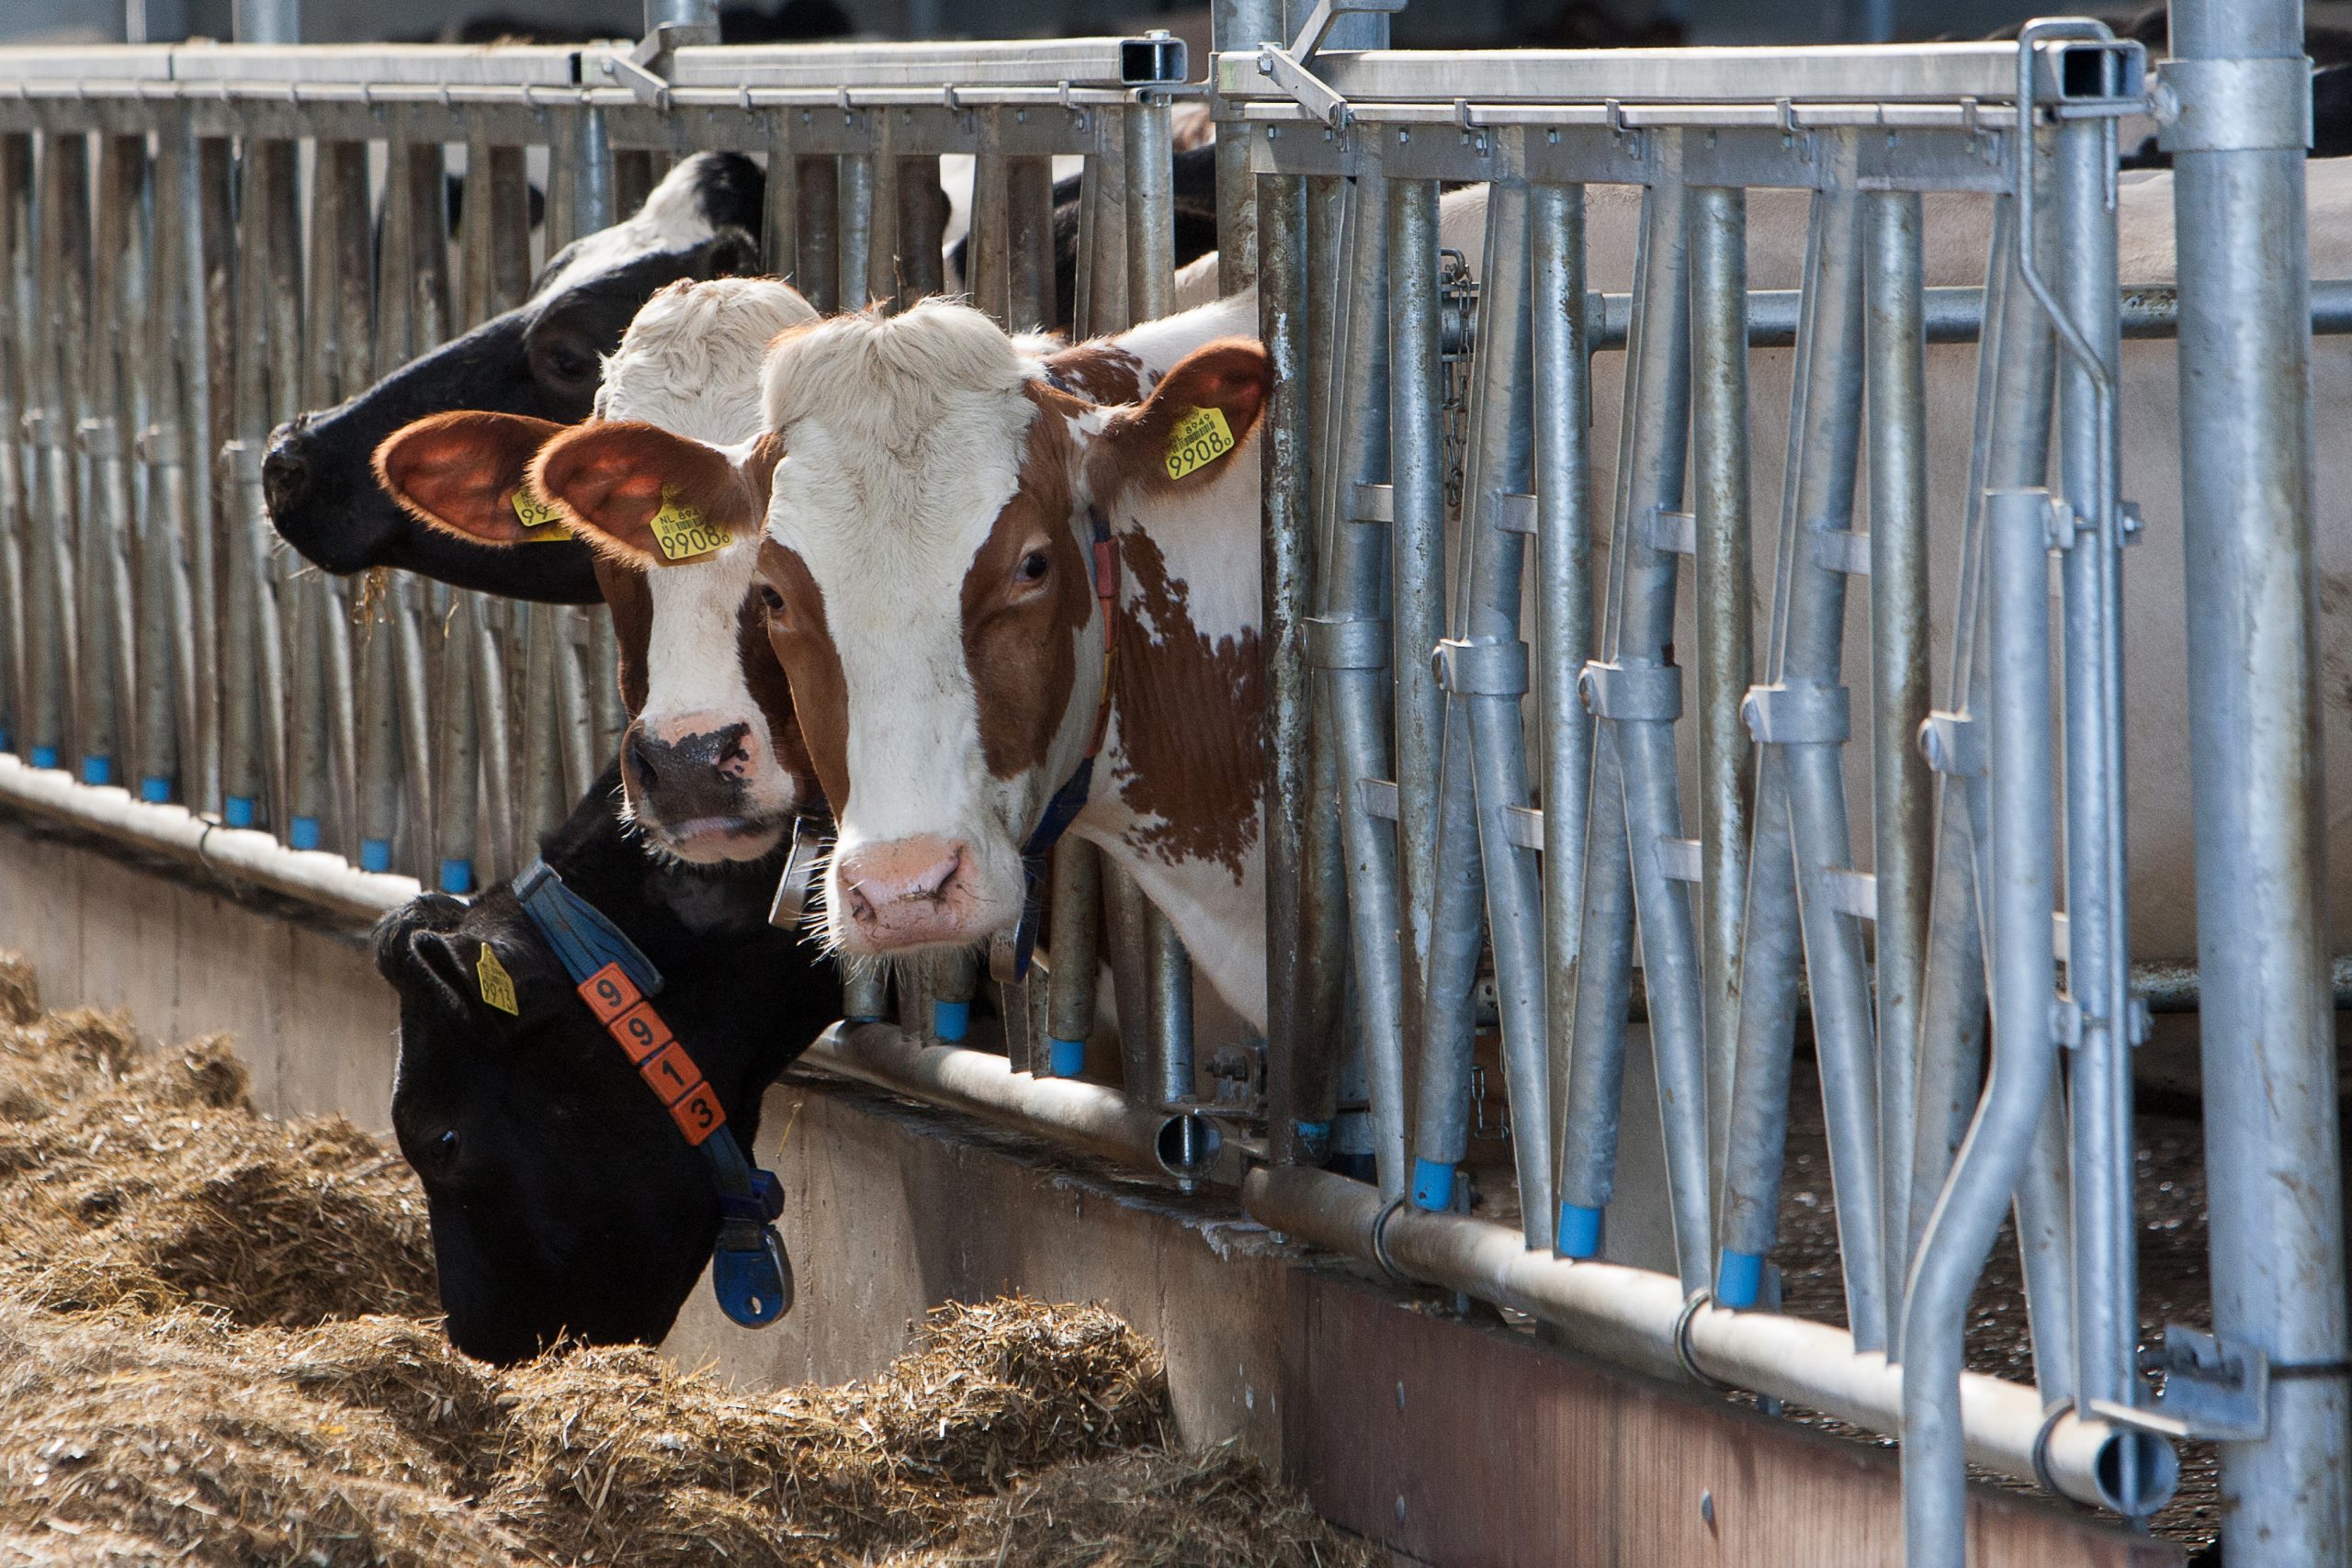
216, 1347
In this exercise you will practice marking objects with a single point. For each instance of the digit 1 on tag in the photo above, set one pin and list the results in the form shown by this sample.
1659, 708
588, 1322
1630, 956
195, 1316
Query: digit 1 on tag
497, 985
1200, 438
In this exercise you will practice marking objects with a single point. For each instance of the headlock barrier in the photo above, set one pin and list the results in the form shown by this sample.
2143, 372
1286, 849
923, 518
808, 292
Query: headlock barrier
1518, 365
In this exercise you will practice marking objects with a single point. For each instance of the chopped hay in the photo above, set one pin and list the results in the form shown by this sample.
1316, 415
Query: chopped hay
217, 1348
1149, 1510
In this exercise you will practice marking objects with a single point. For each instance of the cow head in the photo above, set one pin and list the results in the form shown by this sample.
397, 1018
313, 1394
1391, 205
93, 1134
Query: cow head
540, 360
561, 1198
713, 764
926, 566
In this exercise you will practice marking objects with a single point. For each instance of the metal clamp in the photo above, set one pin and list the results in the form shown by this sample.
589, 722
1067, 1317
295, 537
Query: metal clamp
1953, 744
1676, 533
1798, 715
1840, 549
2233, 106
1379, 1241
1644, 693
1700, 1301
2215, 1390
1474, 669
1347, 643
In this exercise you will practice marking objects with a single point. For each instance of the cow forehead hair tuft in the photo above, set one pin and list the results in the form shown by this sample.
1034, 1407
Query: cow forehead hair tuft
911, 368
690, 360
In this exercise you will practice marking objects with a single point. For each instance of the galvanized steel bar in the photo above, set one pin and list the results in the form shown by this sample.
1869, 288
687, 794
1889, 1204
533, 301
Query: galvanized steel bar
1237, 25
1900, 815
988, 249
882, 217
817, 182
1078, 895
1102, 304
1029, 222
103, 432
921, 223
1151, 210
1171, 1010
2266, 1033
61, 326
19, 480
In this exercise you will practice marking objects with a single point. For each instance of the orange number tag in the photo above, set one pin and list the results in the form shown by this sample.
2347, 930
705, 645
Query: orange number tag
699, 1114
641, 1032
608, 993
671, 1074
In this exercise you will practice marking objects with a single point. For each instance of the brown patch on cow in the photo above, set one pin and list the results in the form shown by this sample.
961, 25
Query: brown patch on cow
802, 646
631, 603
1190, 724
1017, 632
1231, 375
1101, 371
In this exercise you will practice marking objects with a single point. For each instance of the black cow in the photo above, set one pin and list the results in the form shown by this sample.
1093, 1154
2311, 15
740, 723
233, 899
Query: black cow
562, 1198
542, 359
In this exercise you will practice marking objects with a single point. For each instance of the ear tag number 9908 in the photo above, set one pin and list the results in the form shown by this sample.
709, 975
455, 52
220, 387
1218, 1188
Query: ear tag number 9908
682, 534
1200, 438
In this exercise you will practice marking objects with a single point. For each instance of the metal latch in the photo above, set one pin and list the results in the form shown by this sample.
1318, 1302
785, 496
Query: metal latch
2214, 1391
1287, 68
641, 69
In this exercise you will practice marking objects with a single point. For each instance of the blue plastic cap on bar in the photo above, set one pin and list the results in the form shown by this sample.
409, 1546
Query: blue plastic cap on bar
98, 770
1580, 1234
1432, 1184
238, 810
1064, 1058
375, 854
3, 741
156, 789
302, 833
457, 876
950, 1020
1738, 1277
44, 756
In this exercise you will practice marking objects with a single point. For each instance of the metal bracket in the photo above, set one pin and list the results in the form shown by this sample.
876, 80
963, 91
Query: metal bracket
1799, 714
1373, 503
1347, 643
2066, 1022
1643, 693
641, 69
1481, 668
2233, 106
1303, 86
1378, 798
1841, 549
1953, 743
1676, 533
1513, 511
2214, 1390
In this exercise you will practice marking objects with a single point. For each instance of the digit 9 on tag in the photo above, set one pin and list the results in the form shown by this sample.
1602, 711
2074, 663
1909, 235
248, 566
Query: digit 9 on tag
1200, 438
542, 524
497, 985
681, 532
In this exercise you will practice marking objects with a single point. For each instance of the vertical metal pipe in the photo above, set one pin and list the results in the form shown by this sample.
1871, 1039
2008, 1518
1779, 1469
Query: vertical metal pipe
61, 322
204, 313
1129, 948
2267, 1025
1029, 223
1486, 667
818, 274
1173, 1085
379, 731
988, 256
165, 679
1901, 817
1721, 534
266, 21
955, 976
1299, 1085
109, 417
1077, 936
457, 793
780, 236
18, 242
1151, 210
410, 667
1350, 642
1237, 25
921, 223
1102, 304
882, 216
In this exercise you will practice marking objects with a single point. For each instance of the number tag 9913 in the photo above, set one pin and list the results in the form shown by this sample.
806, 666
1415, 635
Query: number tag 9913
497, 985
682, 534
1200, 438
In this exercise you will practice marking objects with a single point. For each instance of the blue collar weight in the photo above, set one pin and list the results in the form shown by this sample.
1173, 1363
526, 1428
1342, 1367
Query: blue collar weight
748, 1271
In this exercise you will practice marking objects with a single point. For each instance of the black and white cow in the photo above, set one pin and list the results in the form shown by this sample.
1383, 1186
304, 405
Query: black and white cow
562, 1199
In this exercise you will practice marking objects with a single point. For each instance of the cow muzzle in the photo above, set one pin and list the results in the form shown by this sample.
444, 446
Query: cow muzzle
901, 893
286, 481
708, 792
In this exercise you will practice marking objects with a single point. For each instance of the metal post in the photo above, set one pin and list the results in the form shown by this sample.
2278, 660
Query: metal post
921, 223
818, 274
1029, 223
1077, 937
1173, 1086
987, 259
2269, 1034
16, 476
682, 14
855, 233
456, 794
62, 325
780, 236
1901, 817
1102, 304
1300, 1087
108, 416
1237, 25
1151, 210
266, 21
882, 217
955, 976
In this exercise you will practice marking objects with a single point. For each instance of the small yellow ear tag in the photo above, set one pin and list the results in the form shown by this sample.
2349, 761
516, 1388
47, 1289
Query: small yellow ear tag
681, 533
497, 985
542, 524
1200, 438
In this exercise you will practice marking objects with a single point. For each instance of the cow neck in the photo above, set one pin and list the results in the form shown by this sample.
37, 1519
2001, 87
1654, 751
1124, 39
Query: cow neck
750, 1273
1072, 797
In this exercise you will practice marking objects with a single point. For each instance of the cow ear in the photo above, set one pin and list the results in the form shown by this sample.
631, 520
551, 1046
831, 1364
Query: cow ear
462, 472
731, 252
1185, 433
647, 496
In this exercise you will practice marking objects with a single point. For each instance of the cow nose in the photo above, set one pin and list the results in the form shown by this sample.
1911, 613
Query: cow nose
285, 471
905, 892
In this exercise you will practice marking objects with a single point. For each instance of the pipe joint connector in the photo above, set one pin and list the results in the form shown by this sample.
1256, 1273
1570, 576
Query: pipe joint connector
2233, 106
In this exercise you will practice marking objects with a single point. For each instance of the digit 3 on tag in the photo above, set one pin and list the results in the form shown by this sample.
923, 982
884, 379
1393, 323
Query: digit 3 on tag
681, 533
1200, 438
542, 524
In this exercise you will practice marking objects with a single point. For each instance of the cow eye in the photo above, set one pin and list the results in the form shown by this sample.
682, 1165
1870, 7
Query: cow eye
443, 1150
1033, 567
772, 599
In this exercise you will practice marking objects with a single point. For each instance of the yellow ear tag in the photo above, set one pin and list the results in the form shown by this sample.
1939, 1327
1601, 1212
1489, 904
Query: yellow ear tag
542, 524
681, 532
497, 985
1200, 438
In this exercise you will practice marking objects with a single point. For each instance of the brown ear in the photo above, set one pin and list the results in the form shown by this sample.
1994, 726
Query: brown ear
1186, 433
461, 471
647, 496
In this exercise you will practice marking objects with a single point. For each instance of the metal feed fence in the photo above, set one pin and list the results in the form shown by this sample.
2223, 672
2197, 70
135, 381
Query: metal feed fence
188, 239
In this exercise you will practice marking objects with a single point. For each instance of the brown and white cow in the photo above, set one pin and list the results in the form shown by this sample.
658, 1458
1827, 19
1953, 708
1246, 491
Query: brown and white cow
713, 766
928, 565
